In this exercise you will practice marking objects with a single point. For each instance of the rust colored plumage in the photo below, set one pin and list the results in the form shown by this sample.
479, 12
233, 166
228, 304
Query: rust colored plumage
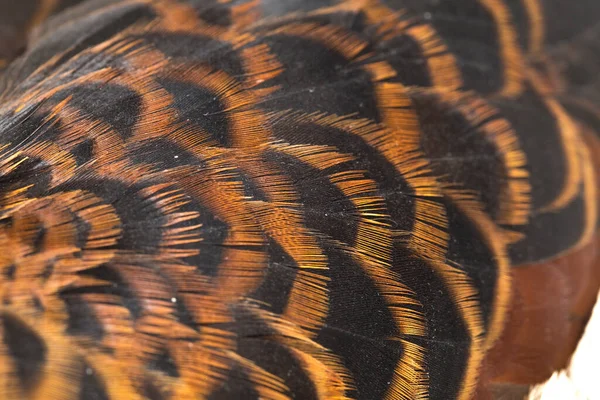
328, 199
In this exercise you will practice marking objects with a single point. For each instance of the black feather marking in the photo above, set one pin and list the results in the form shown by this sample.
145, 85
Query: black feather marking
26, 348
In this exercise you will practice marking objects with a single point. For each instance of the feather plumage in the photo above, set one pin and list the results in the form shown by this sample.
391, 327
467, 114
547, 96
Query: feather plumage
291, 199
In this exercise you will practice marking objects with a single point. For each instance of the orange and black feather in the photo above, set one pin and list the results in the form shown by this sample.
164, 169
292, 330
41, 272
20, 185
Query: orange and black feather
293, 199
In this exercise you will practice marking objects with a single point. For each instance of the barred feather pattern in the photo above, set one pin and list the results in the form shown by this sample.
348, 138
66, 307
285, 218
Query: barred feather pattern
277, 199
